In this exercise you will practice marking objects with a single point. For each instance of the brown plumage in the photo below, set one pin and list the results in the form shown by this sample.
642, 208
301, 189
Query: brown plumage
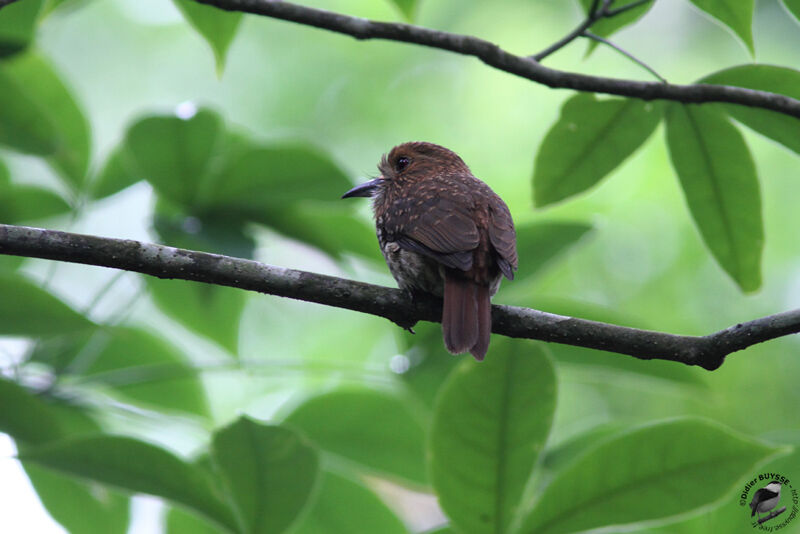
443, 231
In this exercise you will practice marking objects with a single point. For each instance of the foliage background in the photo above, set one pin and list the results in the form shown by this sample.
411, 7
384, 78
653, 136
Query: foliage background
642, 264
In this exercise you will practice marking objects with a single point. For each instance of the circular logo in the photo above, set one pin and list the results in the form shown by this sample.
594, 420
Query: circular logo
770, 501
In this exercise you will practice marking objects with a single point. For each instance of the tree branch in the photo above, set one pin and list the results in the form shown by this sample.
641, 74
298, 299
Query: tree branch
167, 262
494, 56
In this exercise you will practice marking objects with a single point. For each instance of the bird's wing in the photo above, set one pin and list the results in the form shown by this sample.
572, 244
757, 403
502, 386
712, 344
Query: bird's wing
436, 224
503, 236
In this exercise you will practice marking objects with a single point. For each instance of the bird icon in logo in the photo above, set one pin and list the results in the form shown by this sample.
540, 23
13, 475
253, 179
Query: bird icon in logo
765, 499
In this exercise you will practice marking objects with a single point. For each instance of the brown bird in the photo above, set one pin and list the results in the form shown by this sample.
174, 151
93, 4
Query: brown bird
443, 231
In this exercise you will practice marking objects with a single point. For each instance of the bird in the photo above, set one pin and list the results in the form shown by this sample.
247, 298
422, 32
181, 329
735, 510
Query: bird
443, 232
766, 498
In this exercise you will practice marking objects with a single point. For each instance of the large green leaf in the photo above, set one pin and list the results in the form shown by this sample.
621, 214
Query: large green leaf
374, 429
81, 507
407, 7
539, 243
735, 14
653, 472
589, 140
20, 203
218, 27
139, 365
207, 310
781, 80
175, 155
490, 423
138, 467
180, 521
117, 174
269, 472
607, 26
793, 7
44, 87
719, 181
28, 310
18, 26
338, 498
26, 126
26, 417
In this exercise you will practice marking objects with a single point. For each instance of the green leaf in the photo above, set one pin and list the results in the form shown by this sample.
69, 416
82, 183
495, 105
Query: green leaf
429, 362
137, 364
80, 507
269, 472
589, 140
182, 522
793, 7
407, 8
29, 311
781, 80
735, 14
374, 429
117, 174
558, 457
719, 181
26, 126
207, 310
653, 472
266, 179
18, 26
607, 26
30, 421
338, 498
175, 155
44, 87
137, 467
218, 27
20, 203
540, 243
491, 421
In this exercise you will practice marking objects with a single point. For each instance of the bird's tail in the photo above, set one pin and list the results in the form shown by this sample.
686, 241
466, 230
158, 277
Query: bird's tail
466, 316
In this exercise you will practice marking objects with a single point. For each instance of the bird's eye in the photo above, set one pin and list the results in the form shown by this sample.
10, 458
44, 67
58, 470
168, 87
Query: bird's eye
402, 163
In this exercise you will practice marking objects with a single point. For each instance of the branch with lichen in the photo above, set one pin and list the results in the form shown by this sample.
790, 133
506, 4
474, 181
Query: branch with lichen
708, 352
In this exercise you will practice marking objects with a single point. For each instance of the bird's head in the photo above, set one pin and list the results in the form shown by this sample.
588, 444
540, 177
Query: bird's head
409, 163
774, 486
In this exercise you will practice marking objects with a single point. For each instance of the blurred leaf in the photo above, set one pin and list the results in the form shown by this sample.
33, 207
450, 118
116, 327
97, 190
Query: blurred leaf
29, 311
653, 472
117, 174
441, 530
44, 87
18, 26
269, 472
137, 467
80, 507
218, 27
30, 421
407, 7
182, 522
607, 26
207, 310
20, 203
562, 455
175, 155
539, 243
735, 14
429, 362
781, 80
719, 181
217, 234
491, 421
589, 140
266, 179
141, 366
26, 126
374, 429
334, 507
793, 7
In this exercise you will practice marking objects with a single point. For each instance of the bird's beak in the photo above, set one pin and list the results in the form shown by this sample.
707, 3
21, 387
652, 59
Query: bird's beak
364, 190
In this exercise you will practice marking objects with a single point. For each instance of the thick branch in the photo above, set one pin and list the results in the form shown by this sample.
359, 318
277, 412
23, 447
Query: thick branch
167, 262
494, 56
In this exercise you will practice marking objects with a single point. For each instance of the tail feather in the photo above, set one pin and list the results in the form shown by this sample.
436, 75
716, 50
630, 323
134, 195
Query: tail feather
466, 317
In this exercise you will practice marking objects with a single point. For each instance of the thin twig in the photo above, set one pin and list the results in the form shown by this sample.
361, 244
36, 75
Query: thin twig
167, 262
590, 35
494, 56
591, 17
